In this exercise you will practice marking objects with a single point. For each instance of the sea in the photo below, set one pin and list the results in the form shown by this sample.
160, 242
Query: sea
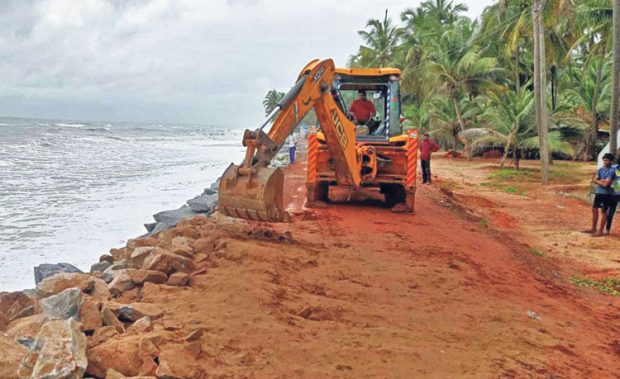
71, 190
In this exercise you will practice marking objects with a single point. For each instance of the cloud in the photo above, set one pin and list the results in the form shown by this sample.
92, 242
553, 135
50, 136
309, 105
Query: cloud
164, 60
243, 2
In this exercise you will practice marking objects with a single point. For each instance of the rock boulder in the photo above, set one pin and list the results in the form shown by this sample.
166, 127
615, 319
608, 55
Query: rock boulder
4, 323
135, 311
119, 354
90, 314
109, 318
64, 305
101, 335
24, 330
137, 257
173, 216
58, 352
178, 279
203, 203
100, 290
46, 270
167, 262
12, 355
15, 305
122, 282
160, 227
100, 266
141, 276
60, 282
143, 325
139, 242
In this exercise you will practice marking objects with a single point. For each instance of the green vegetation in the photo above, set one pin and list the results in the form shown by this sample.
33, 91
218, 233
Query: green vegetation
510, 189
610, 286
470, 82
561, 173
536, 252
517, 181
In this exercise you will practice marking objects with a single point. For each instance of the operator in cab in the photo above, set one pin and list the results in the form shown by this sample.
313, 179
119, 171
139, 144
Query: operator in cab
362, 109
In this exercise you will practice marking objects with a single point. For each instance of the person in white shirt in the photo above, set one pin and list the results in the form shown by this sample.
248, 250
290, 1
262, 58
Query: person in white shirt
291, 143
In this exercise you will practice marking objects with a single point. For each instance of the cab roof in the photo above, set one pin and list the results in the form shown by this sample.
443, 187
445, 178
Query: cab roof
368, 71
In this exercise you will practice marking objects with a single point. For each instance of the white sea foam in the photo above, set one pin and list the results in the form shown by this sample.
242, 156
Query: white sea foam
69, 194
69, 125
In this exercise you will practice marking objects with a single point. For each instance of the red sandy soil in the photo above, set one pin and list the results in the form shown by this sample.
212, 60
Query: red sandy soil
353, 290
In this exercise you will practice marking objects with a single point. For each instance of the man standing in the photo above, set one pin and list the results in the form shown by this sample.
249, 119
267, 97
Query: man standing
362, 109
292, 146
603, 194
427, 147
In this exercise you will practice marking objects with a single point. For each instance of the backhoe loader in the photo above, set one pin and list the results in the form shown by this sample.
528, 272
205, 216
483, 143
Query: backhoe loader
340, 154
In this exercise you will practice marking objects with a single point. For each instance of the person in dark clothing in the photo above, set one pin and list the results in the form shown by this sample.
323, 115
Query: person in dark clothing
614, 202
611, 213
427, 147
603, 194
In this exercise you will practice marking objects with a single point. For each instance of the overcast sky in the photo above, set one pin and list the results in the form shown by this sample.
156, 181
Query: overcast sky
194, 61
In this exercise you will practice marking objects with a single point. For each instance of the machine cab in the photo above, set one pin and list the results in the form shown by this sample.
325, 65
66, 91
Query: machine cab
382, 88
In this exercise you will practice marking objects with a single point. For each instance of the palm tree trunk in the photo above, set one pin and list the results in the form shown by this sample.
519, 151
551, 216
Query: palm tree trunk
455, 135
502, 162
517, 75
515, 149
554, 90
615, 80
459, 118
509, 144
539, 89
597, 89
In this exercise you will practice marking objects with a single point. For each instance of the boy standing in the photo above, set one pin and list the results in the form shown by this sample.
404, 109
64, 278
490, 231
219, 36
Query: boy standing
603, 194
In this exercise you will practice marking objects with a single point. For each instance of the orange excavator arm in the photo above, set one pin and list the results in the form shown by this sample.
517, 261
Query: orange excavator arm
253, 190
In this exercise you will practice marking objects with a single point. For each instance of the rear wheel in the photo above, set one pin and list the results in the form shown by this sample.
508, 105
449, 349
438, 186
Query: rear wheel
394, 194
318, 192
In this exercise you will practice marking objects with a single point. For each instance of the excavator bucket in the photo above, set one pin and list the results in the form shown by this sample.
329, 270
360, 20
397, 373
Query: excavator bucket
253, 194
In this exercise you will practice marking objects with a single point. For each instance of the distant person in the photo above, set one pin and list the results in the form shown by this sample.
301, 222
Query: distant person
362, 109
614, 201
292, 147
427, 147
603, 194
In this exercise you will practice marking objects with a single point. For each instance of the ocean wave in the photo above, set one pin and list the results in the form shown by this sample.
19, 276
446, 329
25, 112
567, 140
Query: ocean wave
98, 129
116, 138
69, 125
43, 142
12, 124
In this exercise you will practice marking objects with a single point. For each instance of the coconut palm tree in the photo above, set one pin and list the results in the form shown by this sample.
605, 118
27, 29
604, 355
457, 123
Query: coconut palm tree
271, 100
381, 41
510, 119
443, 120
459, 67
590, 97
443, 11
594, 19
